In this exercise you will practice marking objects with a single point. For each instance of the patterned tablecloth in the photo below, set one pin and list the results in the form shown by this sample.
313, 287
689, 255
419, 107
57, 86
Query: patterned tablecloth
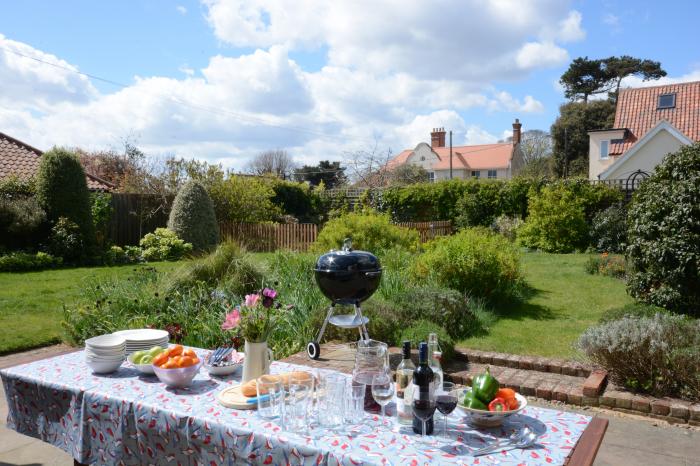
127, 418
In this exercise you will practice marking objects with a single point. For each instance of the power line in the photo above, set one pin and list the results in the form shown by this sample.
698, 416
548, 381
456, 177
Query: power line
236, 115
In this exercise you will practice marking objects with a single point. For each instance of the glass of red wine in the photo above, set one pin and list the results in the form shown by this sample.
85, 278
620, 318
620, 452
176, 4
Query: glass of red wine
446, 401
423, 406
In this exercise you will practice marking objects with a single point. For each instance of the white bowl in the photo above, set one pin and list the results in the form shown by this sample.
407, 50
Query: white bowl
106, 342
105, 353
179, 377
106, 367
225, 370
482, 418
142, 368
104, 359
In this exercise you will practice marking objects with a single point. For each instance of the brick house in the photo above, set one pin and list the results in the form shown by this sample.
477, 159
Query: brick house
483, 161
19, 159
650, 122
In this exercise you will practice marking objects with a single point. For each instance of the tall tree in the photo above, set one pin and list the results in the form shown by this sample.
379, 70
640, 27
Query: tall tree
570, 134
618, 68
535, 144
583, 78
275, 162
330, 173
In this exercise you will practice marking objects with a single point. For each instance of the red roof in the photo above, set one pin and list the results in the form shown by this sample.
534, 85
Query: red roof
477, 157
22, 160
637, 111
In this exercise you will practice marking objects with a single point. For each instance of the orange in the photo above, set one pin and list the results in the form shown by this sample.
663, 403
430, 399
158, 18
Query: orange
195, 361
189, 352
160, 359
185, 361
171, 364
175, 350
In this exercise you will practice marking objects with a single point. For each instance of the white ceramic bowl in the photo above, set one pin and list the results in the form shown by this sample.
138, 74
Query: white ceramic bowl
482, 418
142, 368
106, 342
99, 359
104, 367
225, 370
180, 377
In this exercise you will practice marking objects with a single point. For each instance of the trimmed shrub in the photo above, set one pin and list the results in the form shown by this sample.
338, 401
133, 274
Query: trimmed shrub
66, 241
15, 186
419, 331
664, 234
475, 261
607, 264
23, 262
609, 229
192, 217
481, 205
101, 210
557, 221
62, 191
21, 221
163, 245
116, 255
659, 355
507, 226
298, 200
369, 231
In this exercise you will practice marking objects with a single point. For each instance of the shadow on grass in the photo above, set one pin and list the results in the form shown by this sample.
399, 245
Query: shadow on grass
519, 305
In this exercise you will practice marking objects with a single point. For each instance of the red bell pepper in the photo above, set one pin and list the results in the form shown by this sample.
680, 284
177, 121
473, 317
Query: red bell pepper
498, 405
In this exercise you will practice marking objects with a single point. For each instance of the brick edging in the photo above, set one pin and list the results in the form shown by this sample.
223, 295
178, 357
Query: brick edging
540, 364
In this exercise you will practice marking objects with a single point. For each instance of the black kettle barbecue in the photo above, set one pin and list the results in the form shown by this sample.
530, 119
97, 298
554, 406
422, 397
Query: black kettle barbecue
345, 277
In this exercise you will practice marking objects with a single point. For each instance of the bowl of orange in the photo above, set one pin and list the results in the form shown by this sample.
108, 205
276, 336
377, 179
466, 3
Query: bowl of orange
177, 366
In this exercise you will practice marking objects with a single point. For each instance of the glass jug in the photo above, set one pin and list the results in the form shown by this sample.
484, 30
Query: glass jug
371, 358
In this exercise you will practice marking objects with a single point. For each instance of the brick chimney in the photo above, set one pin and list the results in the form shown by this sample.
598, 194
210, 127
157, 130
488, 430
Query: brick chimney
437, 137
516, 132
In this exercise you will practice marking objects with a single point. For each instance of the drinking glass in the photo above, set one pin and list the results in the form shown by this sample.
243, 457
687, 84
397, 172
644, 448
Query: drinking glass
270, 397
331, 400
446, 401
354, 402
382, 390
298, 407
423, 405
304, 379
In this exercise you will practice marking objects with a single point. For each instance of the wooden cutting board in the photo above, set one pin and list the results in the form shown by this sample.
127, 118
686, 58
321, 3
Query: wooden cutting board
232, 397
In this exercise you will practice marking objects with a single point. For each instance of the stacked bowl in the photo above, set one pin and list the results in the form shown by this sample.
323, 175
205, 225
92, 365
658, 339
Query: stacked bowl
143, 339
105, 353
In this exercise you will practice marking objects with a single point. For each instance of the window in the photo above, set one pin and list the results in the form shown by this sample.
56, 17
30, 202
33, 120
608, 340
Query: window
431, 176
492, 174
476, 174
604, 150
422, 158
667, 101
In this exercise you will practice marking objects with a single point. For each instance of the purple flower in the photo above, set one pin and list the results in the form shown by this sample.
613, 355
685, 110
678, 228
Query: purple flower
269, 293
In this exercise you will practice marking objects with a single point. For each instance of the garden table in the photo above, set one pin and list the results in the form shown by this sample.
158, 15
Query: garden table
128, 418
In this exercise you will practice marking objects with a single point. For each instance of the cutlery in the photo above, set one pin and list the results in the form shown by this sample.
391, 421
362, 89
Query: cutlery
520, 439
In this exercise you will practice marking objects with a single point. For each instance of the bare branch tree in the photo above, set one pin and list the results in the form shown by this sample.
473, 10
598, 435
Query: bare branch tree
368, 168
275, 162
535, 144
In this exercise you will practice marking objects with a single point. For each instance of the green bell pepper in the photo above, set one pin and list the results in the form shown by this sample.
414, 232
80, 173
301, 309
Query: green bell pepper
471, 401
485, 386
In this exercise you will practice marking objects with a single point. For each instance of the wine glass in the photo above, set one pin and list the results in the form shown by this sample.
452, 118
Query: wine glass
446, 401
382, 390
423, 405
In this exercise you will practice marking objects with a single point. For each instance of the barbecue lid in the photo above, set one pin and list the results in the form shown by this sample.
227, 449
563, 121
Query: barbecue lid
347, 259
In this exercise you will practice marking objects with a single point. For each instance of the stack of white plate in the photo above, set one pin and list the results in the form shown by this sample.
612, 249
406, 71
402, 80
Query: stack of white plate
141, 339
105, 353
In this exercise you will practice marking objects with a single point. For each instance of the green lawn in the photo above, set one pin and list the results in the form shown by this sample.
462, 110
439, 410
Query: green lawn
565, 300
31, 303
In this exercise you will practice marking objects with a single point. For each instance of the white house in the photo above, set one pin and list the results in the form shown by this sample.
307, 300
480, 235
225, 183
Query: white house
487, 161
650, 122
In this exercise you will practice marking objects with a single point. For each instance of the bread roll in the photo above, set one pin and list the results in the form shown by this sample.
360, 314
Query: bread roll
250, 389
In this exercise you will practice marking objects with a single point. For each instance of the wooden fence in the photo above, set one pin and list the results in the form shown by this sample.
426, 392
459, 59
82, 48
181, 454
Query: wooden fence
265, 237
134, 215
429, 230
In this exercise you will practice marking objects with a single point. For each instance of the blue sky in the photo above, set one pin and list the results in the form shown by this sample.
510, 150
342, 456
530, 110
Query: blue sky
224, 79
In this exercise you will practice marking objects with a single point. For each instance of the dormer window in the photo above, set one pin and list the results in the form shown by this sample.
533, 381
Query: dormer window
667, 101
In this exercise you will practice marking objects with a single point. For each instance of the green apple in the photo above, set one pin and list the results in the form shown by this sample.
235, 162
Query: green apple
137, 356
146, 359
155, 351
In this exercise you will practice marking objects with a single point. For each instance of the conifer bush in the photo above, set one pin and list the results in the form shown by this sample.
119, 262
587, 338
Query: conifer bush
192, 217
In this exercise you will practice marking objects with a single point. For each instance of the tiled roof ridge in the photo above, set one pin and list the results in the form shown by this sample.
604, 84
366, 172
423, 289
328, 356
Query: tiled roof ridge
21, 143
639, 88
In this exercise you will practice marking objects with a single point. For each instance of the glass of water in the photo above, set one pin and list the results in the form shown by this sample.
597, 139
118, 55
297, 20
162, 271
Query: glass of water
297, 407
354, 402
382, 390
270, 397
331, 400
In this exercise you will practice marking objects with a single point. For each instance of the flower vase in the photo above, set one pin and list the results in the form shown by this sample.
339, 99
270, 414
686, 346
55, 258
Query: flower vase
257, 360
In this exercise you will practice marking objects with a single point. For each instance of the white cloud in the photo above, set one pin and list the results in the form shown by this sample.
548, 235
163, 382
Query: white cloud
611, 19
505, 101
181, 9
477, 135
570, 28
541, 54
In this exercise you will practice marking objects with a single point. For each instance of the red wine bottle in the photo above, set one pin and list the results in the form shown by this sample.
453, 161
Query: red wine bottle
423, 384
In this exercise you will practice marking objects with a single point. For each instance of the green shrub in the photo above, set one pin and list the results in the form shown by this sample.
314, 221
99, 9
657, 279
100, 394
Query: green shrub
192, 217
556, 221
664, 234
475, 261
419, 331
23, 262
163, 245
62, 191
101, 211
13, 186
66, 241
228, 267
507, 226
116, 255
368, 230
607, 264
244, 199
632, 310
659, 355
22, 221
480, 206
298, 200
609, 229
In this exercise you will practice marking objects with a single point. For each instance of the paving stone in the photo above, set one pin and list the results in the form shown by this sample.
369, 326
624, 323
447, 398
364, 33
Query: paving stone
575, 396
595, 383
679, 409
641, 403
661, 407
462, 378
513, 361
561, 392
526, 362
589, 400
623, 400
569, 368
694, 412
541, 364
517, 380
487, 357
608, 398
545, 389
499, 359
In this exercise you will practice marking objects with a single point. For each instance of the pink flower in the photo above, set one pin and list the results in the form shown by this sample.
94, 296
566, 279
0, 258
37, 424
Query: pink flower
232, 320
269, 293
251, 300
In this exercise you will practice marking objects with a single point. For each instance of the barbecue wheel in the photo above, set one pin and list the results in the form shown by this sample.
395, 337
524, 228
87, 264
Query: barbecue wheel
313, 349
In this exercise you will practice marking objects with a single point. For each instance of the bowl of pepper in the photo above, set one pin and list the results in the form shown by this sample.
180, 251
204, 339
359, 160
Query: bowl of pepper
486, 404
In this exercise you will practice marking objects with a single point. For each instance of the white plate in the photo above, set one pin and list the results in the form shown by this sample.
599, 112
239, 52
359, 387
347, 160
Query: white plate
106, 342
142, 334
